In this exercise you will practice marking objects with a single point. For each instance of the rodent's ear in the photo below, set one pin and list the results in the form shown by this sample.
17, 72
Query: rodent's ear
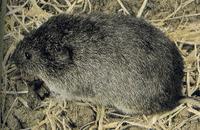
64, 55
58, 54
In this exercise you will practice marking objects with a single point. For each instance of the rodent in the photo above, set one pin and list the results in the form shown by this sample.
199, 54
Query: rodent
111, 60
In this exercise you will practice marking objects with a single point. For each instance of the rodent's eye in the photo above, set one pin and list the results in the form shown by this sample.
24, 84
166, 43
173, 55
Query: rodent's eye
28, 55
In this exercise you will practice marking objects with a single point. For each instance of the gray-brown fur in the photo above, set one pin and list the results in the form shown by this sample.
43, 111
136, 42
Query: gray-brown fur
116, 61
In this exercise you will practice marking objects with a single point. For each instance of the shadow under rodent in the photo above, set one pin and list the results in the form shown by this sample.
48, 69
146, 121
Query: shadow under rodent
109, 60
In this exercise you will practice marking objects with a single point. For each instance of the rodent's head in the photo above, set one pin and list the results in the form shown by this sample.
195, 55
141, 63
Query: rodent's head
26, 57
50, 49
43, 51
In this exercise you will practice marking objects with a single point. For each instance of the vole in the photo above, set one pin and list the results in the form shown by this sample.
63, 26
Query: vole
111, 60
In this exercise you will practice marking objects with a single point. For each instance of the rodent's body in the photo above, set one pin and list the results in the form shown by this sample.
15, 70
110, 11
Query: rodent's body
116, 61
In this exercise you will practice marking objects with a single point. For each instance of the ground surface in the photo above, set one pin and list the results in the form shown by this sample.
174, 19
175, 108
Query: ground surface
26, 103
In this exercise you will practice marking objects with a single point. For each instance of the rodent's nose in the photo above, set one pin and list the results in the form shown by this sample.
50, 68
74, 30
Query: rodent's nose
13, 59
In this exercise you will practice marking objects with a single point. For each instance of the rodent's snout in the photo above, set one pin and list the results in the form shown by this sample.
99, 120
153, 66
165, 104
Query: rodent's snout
13, 59
19, 57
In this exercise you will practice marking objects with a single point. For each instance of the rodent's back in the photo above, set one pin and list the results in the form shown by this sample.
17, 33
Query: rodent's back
113, 60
